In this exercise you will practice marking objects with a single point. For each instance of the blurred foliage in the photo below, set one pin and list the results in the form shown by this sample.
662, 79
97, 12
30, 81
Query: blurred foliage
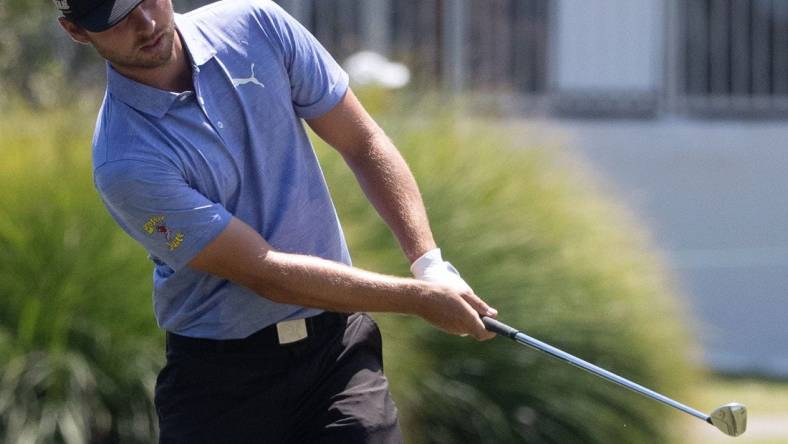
78, 345
555, 258
80, 349
29, 67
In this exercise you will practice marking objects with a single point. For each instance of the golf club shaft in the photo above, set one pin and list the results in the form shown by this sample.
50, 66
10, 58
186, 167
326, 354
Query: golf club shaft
500, 328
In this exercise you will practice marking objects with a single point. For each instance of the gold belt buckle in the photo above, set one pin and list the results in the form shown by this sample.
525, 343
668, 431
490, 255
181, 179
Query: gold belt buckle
291, 331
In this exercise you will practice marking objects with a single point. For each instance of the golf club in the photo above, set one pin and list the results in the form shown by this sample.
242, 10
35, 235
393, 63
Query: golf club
731, 419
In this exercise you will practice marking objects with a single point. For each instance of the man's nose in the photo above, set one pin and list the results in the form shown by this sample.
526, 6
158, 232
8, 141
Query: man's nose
142, 15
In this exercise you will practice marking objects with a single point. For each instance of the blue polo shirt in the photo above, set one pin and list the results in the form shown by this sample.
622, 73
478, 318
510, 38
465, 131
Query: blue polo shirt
174, 168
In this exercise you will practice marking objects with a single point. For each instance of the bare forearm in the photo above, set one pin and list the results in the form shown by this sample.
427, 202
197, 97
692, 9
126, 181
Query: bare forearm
313, 282
241, 255
391, 188
380, 170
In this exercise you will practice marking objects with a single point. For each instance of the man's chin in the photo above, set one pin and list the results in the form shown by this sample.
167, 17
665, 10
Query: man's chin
140, 61
153, 62
156, 57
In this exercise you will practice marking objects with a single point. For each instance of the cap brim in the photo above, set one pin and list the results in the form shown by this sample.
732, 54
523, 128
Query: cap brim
107, 15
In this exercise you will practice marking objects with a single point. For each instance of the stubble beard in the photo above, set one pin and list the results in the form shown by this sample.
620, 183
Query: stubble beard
140, 59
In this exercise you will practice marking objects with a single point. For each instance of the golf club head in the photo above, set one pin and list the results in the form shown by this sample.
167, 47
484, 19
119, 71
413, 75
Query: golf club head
731, 419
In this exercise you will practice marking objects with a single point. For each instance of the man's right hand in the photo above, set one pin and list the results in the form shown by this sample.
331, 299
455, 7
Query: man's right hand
456, 310
431, 267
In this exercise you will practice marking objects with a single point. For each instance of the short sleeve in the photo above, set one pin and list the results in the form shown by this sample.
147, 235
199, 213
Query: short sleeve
153, 203
317, 82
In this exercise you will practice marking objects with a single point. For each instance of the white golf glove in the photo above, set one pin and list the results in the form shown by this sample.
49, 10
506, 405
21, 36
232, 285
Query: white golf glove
431, 267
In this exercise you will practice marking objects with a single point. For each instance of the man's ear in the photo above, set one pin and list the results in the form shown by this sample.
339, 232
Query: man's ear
77, 33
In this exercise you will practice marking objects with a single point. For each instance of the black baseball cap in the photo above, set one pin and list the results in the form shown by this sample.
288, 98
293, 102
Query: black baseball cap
96, 15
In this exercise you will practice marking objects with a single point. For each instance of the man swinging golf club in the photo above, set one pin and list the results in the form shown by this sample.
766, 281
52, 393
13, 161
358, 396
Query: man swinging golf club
200, 155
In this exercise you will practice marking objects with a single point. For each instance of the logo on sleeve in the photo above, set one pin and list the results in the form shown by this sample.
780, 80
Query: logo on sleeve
155, 225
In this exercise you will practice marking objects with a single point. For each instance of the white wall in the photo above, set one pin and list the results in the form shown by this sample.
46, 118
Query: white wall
607, 45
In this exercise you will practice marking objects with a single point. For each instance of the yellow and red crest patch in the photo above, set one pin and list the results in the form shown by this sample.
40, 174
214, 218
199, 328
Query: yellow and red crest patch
156, 225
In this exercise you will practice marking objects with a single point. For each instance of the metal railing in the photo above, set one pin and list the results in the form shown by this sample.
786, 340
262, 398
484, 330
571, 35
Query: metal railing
731, 56
712, 57
495, 45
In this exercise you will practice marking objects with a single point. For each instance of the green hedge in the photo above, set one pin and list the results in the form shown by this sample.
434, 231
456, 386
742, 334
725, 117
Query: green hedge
80, 350
78, 344
557, 259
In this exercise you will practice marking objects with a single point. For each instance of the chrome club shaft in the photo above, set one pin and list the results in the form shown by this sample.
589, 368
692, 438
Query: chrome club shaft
731, 419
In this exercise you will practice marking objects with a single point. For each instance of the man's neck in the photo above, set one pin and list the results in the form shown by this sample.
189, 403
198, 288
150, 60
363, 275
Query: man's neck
175, 75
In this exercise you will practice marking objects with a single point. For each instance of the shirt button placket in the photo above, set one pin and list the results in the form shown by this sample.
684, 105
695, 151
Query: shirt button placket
217, 124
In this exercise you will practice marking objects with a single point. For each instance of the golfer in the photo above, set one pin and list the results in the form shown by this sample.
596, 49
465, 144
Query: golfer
200, 154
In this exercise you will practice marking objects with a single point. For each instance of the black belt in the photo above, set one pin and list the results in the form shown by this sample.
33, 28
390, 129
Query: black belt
316, 326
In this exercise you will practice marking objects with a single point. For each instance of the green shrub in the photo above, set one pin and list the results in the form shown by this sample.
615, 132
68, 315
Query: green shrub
78, 344
558, 260
79, 347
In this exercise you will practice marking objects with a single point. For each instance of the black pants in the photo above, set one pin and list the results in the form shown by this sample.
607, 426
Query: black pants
327, 388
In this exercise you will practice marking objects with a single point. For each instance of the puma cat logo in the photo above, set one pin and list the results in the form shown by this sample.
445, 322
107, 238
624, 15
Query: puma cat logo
252, 79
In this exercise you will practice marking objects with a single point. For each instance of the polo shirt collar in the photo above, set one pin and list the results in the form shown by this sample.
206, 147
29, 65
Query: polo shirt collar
198, 46
154, 101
